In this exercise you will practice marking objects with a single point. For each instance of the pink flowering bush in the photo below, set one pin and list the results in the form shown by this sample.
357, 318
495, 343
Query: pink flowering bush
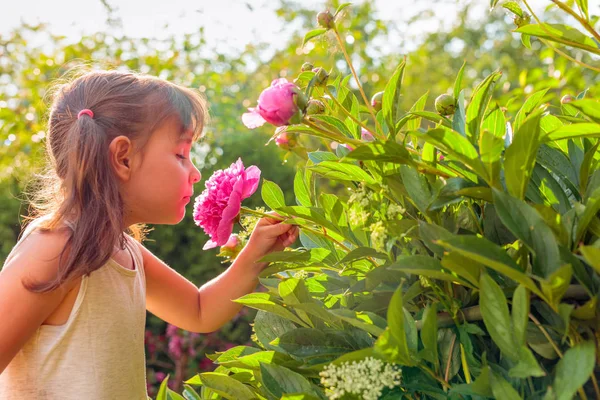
218, 206
280, 104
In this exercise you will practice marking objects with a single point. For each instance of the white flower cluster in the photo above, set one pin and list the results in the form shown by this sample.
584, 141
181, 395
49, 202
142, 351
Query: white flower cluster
301, 274
358, 216
366, 378
394, 210
378, 235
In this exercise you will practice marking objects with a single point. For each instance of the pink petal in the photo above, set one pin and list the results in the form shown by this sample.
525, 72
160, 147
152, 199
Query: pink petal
251, 181
230, 212
252, 119
209, 245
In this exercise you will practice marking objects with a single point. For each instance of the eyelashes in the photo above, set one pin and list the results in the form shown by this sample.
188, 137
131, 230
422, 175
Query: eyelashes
181, 157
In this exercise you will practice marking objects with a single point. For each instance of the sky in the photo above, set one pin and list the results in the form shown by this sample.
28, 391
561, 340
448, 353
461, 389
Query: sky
235, 23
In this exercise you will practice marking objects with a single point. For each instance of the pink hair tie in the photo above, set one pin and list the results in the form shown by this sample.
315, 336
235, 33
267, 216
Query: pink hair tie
85, 111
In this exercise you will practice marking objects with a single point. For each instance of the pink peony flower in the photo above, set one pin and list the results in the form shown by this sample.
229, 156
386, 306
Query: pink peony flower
280, 104
233, 242
217, 207
366, 135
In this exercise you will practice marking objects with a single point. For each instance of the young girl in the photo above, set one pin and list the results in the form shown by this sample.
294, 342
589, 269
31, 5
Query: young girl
76, 287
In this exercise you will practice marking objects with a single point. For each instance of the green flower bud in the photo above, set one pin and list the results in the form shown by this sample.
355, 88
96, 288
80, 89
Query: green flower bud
322, 76
567, 98
315, 107
300, 99
445, 104
325, 19
522, 21
307, 67
377, 101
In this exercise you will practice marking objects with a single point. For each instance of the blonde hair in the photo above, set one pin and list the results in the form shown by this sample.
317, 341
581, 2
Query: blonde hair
80, 185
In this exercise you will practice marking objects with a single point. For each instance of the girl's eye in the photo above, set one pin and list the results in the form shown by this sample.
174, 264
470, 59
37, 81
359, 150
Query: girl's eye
181, 157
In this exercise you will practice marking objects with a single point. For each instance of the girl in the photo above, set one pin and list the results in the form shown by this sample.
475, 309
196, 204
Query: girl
76, 287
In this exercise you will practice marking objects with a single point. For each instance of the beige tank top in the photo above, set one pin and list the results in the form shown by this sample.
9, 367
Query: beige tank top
99, 352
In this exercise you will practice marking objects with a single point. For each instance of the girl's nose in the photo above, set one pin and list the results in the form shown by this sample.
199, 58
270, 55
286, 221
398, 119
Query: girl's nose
195, 175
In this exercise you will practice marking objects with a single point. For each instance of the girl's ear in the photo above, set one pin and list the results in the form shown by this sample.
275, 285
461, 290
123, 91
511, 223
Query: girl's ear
120, 153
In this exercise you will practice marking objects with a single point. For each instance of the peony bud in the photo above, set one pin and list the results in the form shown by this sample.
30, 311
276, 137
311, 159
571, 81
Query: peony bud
377, 101
445, 104
315, 107
522, 21
283, 103
307, 67
567, 98
325, 19
366, 136
322, 76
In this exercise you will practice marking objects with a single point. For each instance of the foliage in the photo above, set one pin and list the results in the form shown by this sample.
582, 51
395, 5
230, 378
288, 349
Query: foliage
464, 250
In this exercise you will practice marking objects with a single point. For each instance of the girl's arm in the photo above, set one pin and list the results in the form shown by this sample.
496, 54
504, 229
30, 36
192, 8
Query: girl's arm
176, 300
22, 311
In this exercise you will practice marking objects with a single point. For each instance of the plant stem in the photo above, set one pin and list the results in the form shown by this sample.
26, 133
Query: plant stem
541, 328
434, 376
349, 114
331, 135
307, 229
360, 88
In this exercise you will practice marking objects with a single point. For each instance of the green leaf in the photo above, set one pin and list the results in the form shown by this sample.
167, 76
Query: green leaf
490, 255
574, 369
494, 310
272, 195
514, 7
429, 335
162, 390
520, 314
528, 107
320, 156
391, 97
495, 123
189, 393
396, 325
557, 283
592, 256
301, 189
363, 252
414, 123
340, 8
266, 302
459, 119
389, 151
490, 149
574, 131
520, 155
226, 386
417, 187
526, 366
367, 321
478, 105
559, 33
422, 265
308, 342
592, 206
279, 380
342, 172
527, 224
502, 390
463, 266
458, 80
454, 144
269, 326
313, 34
313, 214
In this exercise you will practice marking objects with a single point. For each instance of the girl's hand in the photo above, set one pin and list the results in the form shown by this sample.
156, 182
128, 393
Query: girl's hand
270, 235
